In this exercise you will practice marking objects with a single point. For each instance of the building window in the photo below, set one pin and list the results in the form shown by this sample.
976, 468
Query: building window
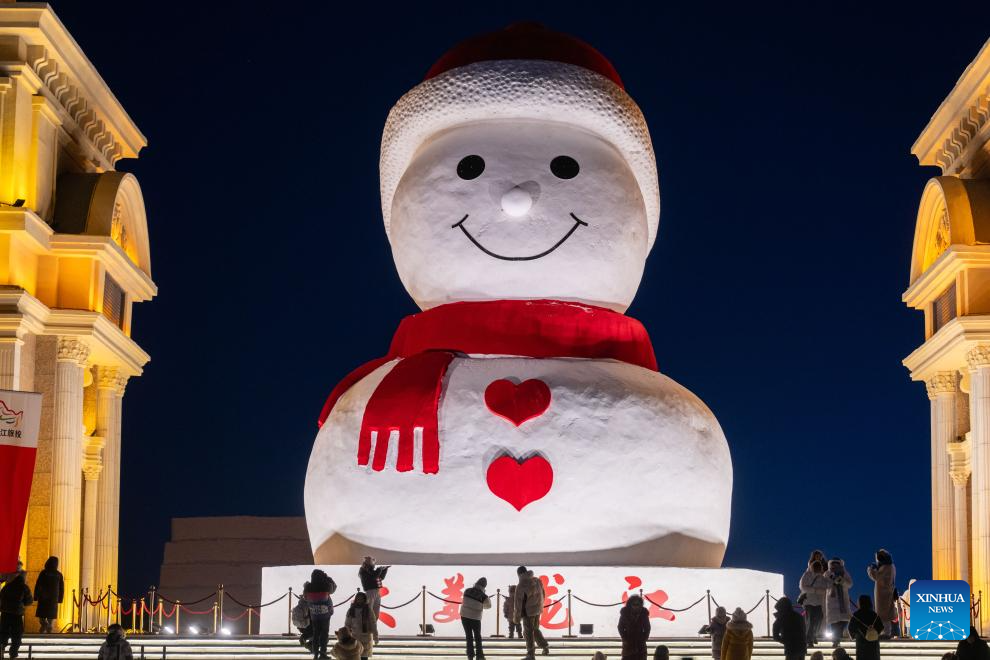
944, 309
113, 302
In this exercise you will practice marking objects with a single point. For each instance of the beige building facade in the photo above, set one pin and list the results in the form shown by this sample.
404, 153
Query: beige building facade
74, 258
950, 283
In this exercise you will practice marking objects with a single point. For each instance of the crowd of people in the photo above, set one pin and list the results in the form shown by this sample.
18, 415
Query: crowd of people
824, 610
16, 596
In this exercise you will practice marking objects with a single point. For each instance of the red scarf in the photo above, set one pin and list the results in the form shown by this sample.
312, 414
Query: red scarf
409, 395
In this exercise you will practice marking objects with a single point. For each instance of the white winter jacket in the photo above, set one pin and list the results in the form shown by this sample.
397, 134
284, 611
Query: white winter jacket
837, 605
815, 587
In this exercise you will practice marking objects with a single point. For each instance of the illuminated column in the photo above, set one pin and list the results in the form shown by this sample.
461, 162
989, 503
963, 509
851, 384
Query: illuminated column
10, 363
959, 470
67, 461
92, 466
942, 388
979, 413
106, 522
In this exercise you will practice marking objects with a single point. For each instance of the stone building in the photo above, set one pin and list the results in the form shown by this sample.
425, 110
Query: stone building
950, 283
74, 258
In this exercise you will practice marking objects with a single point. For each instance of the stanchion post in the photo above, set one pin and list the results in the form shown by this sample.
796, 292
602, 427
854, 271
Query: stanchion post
220, 591
498, 608
178, 609
422, 629
768, 612
133, 614
109, 604
215, 617
708, 597
979, 612
72, 616
161, 613
570, 618
142, 615
288, 626
249, 621
83, 602
151, 608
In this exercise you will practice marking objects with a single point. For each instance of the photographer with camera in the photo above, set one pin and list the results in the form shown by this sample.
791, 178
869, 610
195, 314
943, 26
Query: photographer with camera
814, 588
371, 581
882, 573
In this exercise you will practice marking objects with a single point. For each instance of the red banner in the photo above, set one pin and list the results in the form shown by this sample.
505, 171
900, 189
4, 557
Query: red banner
20, 418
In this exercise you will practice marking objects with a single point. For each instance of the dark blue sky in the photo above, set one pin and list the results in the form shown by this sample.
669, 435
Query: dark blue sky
788, 199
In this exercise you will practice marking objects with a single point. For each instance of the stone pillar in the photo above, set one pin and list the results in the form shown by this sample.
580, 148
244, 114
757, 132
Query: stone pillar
118, 411
67, 462
979, 412
10, 363
959, 470
107, 379
92, 467
942, 388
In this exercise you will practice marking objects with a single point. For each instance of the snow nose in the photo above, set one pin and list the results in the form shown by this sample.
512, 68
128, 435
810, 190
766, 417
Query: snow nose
517, 201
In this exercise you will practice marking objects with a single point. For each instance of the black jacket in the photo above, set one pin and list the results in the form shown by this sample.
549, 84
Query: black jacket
15, 596
860, 622
49, 590
788, 629
975, 650
371, 578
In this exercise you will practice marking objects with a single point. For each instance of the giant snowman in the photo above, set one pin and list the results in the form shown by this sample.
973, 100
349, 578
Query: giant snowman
521, 416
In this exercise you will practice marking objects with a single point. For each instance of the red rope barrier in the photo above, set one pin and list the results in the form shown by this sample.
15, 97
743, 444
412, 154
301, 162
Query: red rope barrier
189, 611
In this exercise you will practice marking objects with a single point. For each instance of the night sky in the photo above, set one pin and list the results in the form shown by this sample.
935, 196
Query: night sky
788, 201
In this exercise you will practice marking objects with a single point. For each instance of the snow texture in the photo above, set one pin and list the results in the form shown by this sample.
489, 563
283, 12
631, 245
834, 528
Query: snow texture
519, 89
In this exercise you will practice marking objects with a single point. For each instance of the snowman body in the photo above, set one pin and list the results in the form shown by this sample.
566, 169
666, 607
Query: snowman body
506, 180
640, 473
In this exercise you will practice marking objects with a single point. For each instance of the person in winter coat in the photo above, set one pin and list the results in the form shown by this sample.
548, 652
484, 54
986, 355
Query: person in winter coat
716, 628
837, 610
49, 590
661, 652
839, 653
738, 641
508, 609
814, 588
362, 623
317, 593
865, 627
634, 629
116, 646
527, 608
347, 647
883, 574
372, 579
972, 648
14, 597
788, 629
599, 656
473, 604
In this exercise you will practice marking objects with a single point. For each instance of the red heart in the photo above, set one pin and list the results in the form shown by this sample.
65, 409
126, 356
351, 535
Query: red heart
520, 482
517, 403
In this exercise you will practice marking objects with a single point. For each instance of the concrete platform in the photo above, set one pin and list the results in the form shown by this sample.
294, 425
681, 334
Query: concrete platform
79, 647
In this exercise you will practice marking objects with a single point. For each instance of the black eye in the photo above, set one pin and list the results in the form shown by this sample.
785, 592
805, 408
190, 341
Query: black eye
564, 167
470, 167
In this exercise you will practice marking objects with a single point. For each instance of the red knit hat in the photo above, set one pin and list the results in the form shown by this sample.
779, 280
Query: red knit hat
526, 41
524, 71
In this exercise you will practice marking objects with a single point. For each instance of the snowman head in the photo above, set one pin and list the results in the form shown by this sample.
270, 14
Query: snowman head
519, 169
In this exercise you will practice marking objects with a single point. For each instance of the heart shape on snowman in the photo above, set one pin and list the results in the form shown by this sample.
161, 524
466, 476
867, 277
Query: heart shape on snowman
517, 403
520, 482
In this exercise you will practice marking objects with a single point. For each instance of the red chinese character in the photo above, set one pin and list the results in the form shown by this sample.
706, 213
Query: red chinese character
551, 611
653, 599
385, 617
453, 591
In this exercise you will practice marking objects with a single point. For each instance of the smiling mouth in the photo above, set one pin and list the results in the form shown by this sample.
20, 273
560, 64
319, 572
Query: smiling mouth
578, 222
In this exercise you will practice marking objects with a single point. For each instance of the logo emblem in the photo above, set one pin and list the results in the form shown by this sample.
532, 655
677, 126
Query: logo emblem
940, 610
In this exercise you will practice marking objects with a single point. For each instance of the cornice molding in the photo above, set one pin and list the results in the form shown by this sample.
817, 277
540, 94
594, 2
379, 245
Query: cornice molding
946, 350
126, 273
71, 80
943, 271
961, 125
